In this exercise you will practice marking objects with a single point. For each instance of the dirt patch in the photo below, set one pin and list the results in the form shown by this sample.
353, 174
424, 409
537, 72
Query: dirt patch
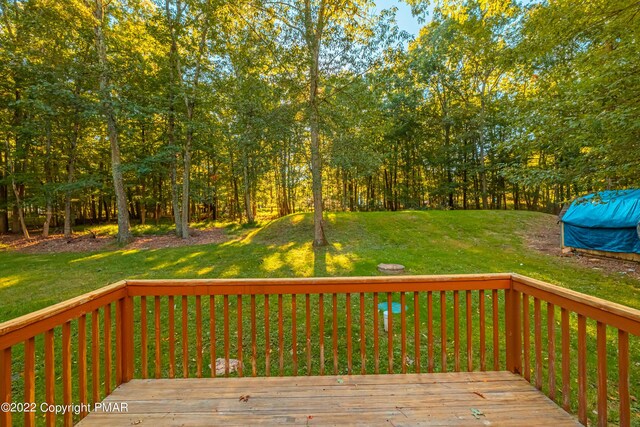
88, 242
544, 236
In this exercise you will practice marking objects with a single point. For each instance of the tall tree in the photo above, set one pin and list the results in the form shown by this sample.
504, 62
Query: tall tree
100, 14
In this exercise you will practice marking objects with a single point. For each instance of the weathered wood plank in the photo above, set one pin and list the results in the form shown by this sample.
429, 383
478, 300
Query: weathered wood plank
401, 399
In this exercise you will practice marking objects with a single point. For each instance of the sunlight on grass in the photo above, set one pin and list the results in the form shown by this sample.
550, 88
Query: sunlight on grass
296, 219
273, 262
339, 264
6, 282
232, 271
94, 257
204, 271
297, 259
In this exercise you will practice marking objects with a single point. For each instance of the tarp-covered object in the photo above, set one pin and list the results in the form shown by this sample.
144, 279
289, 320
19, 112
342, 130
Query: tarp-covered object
605, 221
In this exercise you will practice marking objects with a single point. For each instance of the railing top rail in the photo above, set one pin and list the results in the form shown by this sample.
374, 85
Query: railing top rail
613, 314
317, 285
322, 280
37, 322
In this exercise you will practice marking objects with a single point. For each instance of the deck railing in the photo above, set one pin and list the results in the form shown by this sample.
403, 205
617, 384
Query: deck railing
76, 352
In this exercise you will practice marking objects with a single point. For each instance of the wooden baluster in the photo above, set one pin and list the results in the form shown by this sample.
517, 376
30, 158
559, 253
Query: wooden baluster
416, 330
172, 337
469, 333
119, 342
483, 331
29, 380
403, 332
185, 337
239, 327
443, 331
143, 335
198, 336
82, 363
582, 369
566, 361
5, 385
95, 357
212, 335
267, 337
307, 322
430, 355
551, 349
49, 376
335, 334
226, 334
389, 333
456, 330
254, 338
294, 333
349, 344
602, 373
157, 335
107, 349
280, 335
526, 342
623, 378
66, 371
376, 337
537, 326
496, 330
321, 321
363, 341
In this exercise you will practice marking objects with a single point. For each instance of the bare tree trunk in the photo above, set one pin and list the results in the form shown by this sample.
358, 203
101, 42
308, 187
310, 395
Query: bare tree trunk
4, 193
18, 211
247, 188
70, 178
185, 180
319, 238
49, 178
171, 133
124, 233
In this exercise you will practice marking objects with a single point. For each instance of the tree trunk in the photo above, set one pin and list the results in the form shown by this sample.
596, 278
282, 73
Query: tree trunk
4, 194
20, 212
49, 178
247, 188
70, 177
124, 233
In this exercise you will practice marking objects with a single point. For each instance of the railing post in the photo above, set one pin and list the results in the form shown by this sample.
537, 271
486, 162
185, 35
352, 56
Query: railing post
5, 384
513, 326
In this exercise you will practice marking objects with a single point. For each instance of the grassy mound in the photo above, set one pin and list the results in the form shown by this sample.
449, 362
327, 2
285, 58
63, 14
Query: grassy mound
431, 242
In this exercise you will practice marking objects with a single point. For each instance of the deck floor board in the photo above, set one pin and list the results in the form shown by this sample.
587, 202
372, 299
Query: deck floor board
442, 399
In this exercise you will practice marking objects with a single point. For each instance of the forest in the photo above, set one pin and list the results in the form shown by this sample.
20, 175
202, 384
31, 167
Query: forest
186, 110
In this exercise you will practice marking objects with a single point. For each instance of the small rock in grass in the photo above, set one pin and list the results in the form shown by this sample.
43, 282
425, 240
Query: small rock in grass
391, 268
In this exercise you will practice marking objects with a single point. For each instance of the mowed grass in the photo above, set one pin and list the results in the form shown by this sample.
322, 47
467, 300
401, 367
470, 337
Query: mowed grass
431, 242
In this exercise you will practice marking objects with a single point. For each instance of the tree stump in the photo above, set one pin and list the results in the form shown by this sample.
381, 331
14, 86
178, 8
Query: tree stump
391, 268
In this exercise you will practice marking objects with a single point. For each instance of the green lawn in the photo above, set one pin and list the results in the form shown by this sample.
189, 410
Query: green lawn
432, 242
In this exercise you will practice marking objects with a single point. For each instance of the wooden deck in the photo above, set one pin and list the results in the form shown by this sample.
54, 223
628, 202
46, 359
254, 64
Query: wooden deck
496, 398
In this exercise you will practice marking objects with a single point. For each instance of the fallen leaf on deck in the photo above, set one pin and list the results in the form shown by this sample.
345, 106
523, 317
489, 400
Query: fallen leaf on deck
477, 413
479, 394
244, 398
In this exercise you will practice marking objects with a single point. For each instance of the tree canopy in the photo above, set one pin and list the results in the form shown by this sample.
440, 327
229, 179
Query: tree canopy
194, 109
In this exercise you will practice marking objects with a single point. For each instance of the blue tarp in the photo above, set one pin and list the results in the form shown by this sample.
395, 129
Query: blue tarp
605, 221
